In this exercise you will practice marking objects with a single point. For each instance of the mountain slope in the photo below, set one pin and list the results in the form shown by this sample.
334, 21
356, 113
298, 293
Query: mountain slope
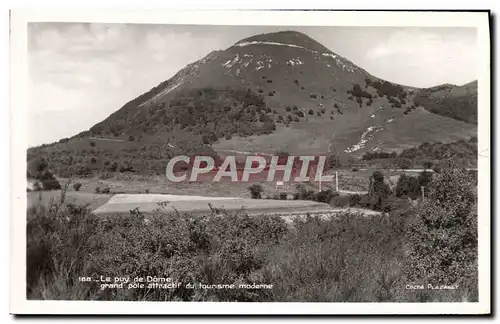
280, 91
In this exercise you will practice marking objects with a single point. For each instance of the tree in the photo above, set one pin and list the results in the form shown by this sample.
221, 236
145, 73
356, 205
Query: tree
38, 169
442, 232
256, 191
113, 167
378, 187
428, 165
77, 186
404, 163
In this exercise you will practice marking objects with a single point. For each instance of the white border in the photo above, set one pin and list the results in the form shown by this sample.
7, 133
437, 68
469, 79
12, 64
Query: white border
19, 78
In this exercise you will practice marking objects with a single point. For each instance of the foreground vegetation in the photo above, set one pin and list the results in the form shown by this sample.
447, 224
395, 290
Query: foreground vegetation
348, 258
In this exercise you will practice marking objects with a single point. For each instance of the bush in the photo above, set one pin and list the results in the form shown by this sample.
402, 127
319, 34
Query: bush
97, 190
325, 196
51, 184
341, 201
256, 191
442, 233
38, 169
354, 200
106, 190
404, 163
77, 186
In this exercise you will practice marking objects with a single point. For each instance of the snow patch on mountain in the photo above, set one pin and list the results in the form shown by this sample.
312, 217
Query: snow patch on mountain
273, 43
339, 62
294, 61
330, 55
232, 62
365, 137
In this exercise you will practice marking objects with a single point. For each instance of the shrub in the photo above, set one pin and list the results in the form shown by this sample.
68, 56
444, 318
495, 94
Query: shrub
288, 108
354, 200
131, 138
106, 190
38, 169
92, 143
299, 113
51, 184
97, 190
311, 112
113, 167
256, 191
341, 201
404, 163
325, 196
442, 233
77, 186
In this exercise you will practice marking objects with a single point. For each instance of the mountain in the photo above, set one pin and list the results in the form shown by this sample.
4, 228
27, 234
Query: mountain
277, 91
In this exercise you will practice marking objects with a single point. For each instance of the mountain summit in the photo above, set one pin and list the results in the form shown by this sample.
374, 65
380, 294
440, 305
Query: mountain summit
286, 91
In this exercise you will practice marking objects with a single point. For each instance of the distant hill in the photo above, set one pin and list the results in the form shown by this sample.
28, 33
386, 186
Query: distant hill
458, 102
277, 91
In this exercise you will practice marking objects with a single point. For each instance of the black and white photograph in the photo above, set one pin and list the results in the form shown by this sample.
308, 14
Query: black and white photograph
284, 158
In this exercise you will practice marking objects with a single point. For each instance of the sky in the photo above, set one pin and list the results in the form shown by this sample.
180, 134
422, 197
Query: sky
80, 73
